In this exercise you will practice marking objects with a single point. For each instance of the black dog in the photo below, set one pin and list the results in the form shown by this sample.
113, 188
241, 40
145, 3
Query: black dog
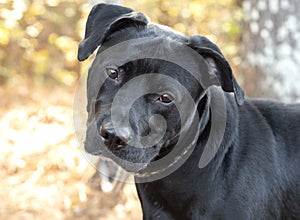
254, 173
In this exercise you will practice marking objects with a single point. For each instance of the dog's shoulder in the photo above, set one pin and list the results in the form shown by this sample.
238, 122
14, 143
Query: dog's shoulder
283, 119
273, 108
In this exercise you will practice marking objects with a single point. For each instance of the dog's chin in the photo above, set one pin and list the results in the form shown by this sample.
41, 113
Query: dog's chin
132, 159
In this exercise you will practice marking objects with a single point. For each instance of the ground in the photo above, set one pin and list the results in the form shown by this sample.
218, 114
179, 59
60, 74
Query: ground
43, 172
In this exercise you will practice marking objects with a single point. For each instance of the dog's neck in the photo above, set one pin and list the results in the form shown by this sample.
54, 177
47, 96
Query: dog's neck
207, 189
215, 168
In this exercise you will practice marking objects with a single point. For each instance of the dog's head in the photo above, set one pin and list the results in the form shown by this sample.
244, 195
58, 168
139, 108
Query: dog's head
142, 92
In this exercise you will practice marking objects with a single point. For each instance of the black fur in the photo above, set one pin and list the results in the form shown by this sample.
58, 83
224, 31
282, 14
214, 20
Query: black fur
255, 173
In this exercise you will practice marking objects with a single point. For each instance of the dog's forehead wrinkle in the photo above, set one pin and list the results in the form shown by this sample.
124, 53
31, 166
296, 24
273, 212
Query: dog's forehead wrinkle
151, 30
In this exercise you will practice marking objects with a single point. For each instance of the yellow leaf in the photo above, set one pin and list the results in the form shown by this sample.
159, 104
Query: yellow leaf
5, 36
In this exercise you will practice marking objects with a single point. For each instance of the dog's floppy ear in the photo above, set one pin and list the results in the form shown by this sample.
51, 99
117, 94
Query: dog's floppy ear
218, 65
103, 20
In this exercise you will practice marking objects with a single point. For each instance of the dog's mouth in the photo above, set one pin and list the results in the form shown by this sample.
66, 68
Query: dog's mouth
132, 159
164, 151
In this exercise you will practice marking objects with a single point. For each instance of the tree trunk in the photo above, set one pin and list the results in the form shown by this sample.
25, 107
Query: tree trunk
270, 49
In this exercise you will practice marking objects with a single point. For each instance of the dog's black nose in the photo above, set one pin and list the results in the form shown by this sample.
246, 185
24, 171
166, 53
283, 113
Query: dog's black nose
110, 138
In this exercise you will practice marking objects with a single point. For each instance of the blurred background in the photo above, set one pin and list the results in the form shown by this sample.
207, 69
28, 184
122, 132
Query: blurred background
43, 173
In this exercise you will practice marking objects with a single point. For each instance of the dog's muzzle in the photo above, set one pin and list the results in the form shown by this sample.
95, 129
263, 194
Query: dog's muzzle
111, 139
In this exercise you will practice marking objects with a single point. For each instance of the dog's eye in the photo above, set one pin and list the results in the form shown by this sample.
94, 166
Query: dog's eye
112, 73
166, 98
